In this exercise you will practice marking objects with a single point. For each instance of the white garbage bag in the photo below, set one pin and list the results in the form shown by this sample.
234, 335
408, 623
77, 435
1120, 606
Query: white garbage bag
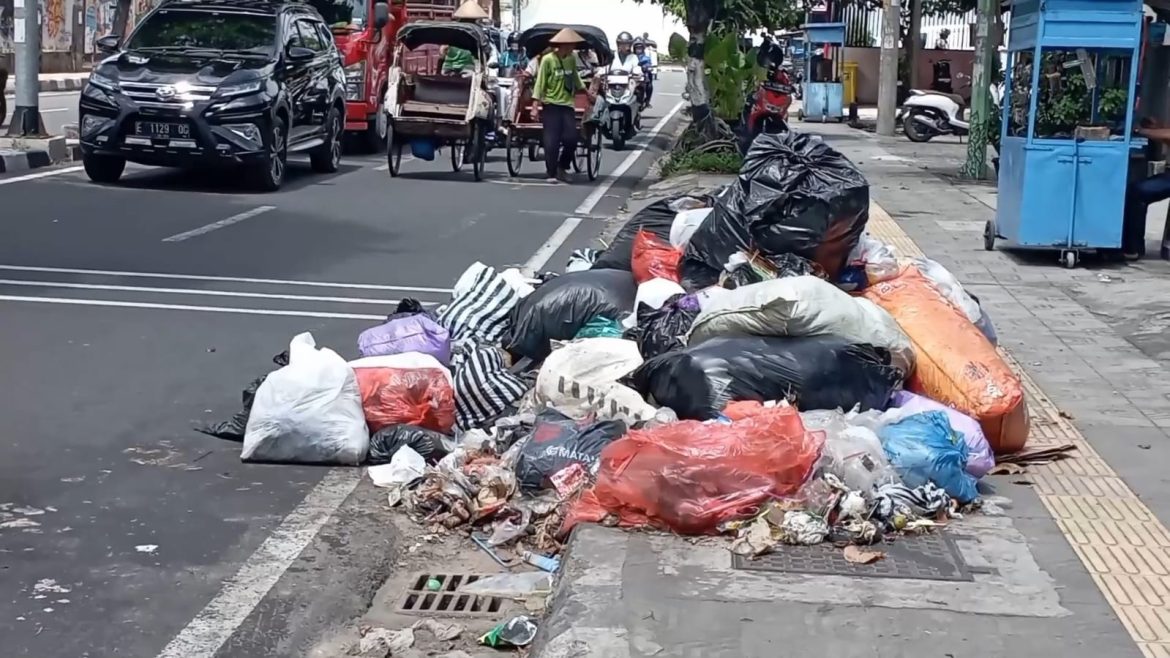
685, 224
581, 379
308, 412
654, 293
802, 306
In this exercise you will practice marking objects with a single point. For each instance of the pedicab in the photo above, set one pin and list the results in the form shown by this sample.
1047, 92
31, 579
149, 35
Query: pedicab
427, 111
525, 132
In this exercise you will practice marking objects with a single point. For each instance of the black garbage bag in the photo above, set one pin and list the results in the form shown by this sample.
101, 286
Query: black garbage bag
695, 275
794, 194
557, 443
408, 306
233, 429
558, 309
814, 372
766, 268
386, 441
655, 218
662, 330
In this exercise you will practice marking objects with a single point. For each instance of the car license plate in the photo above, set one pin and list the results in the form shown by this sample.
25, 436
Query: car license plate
162, 130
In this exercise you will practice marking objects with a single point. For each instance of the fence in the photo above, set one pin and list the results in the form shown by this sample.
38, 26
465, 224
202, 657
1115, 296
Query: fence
863, 28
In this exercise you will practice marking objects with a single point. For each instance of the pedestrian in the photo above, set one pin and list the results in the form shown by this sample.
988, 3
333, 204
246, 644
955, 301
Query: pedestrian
557, 84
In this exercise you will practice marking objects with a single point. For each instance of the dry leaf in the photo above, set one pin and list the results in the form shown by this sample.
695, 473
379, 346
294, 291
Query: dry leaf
859, 555
1007, 469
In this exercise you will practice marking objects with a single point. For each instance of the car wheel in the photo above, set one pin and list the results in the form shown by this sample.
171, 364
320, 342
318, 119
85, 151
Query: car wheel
103, 168
326, 159
270, 172
373, 139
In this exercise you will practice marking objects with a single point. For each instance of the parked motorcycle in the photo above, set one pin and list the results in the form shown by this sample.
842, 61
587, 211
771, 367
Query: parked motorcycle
624, 106
766, 110
926, 114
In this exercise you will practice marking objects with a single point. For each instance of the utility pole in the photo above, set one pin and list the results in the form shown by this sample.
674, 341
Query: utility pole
888, 74
981, 107
26, 119
913, 45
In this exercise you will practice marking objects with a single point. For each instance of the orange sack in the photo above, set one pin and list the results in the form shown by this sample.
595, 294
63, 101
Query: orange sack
956, 364
407, 396
653, 258
688, 477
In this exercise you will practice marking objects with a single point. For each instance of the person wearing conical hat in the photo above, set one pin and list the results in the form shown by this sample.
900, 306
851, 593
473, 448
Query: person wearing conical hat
457, 60
557, 84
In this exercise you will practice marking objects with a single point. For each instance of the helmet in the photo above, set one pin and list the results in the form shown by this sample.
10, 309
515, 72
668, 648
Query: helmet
513, 39
624, 37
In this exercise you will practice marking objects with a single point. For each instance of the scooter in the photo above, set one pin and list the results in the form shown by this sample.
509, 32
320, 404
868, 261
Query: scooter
625, 109
926, 114
766, 110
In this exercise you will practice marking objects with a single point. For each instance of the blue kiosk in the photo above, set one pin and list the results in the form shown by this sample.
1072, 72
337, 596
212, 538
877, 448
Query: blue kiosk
823, 91
1063, 175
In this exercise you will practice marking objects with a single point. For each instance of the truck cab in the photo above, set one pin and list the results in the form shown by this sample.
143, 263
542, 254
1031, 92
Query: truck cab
364, 31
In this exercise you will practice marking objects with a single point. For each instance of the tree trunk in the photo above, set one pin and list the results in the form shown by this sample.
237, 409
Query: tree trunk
121, 18
697, 93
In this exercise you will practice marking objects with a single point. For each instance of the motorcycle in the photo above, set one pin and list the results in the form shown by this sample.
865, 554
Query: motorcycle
624, 118
926, 114
766, 110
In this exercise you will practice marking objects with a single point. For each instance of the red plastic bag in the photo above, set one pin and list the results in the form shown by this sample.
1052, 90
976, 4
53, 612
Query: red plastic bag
654, 258
688, 477
422, 397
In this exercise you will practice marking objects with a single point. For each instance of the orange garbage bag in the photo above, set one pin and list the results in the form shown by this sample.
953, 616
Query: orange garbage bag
688, 477
422, 397
654, 258
955, 363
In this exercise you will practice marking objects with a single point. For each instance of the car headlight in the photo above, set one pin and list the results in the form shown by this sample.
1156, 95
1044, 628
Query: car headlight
239, 89
103, 82
355, 78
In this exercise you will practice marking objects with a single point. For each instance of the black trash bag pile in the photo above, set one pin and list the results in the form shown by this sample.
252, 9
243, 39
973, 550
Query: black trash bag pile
559, 308
794, 195
233, 429
662, 330
558, 445
386, 441
765, 268
815, 372
655, 218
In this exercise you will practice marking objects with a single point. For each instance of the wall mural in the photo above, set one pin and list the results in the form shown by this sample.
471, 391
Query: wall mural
57, 30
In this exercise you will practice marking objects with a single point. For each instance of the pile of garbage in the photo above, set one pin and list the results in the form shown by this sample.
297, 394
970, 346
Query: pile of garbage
748, 362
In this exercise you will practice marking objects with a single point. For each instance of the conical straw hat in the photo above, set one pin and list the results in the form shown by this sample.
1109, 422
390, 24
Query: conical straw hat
566, 36
470, 10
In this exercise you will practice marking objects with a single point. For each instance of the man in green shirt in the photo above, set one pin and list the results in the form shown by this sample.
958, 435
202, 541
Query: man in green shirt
557, 84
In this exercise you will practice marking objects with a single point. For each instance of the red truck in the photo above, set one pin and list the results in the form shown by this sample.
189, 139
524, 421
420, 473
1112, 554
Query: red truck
367, 52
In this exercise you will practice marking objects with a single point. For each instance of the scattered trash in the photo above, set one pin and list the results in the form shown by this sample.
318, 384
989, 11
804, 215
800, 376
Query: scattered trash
511, 585
1038, 456
404, 467
858, 555
396, 642
434, 584
516, 632
384, 443
443, 631
146, 548
542, 562
559, 442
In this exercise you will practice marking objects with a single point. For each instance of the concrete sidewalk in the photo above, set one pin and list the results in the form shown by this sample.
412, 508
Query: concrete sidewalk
1076, 561
53, 82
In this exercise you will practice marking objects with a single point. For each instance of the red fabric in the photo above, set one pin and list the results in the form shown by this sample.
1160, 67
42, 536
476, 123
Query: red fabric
688, 477
410, 396
654, 258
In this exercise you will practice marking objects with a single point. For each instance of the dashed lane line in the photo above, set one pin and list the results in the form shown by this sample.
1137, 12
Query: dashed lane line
215, 226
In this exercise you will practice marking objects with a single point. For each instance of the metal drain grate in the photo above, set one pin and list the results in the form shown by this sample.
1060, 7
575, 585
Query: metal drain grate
919, 557
447, 600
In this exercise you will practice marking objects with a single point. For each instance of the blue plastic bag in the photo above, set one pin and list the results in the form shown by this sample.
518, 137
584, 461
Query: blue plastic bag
423, 149
924, 448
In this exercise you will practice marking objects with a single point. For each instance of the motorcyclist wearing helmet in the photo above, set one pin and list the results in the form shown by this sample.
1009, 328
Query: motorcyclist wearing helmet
626, 60
646, 65
514, 57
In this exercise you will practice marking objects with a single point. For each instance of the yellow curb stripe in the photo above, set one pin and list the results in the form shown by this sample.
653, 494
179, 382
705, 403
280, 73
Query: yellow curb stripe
1123, 546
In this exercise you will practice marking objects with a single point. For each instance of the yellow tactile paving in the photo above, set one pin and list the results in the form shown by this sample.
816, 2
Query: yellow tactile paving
1122, 544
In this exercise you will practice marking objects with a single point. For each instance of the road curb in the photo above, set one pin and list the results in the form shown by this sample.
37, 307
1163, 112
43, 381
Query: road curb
53, 84
13, 161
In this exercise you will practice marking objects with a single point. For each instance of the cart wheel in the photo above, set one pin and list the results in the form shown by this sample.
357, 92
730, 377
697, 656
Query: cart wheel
580, 156
595, 147
532, 153
478, 151
457, 156
1069, 259
800, 114
515, 154
989, 233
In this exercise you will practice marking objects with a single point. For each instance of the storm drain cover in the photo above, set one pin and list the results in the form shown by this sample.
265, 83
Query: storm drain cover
447, 599
919, 557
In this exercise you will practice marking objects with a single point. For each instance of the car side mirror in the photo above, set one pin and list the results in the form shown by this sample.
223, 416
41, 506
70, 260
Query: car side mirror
381, 15
299, 54
109, 43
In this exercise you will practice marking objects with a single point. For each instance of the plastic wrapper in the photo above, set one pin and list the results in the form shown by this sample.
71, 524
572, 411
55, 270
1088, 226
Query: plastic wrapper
409, 389
662, 330
955, 364
654, 258
407, 332
794, 194
308, 412
559, 442
950, 288
386, 441
852, 452
980, 458
689, 477
656, 218
817, 372
924, 448
802, 306
561, 307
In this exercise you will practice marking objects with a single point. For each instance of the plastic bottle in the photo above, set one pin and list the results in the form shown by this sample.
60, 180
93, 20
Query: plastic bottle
549, 564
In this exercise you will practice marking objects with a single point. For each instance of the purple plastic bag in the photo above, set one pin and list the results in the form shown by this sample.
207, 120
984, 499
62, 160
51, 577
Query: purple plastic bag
980, 459
415, 332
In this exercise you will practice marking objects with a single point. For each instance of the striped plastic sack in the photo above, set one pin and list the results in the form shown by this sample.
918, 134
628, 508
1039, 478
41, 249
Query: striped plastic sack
483, 298
484, 387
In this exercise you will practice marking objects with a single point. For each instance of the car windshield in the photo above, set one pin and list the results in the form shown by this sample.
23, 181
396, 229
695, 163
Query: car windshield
206, 30
341, 13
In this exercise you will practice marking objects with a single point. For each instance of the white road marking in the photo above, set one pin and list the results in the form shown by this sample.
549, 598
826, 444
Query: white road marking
197, 292
40, 174
240, 595
227, 279
184, 307
55, 109
595, 196
386, 166
553, 243
234, 219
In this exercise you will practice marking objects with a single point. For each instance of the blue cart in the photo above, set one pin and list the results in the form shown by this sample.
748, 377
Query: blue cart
824, 93
1063, 175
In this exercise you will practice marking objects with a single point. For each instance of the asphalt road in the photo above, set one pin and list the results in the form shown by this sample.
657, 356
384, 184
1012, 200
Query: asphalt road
57, 109
132, 312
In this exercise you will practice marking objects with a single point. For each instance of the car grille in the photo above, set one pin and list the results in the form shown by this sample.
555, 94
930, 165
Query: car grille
168, 97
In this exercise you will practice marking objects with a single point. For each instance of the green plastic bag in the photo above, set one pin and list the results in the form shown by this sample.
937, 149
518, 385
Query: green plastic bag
600, 327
